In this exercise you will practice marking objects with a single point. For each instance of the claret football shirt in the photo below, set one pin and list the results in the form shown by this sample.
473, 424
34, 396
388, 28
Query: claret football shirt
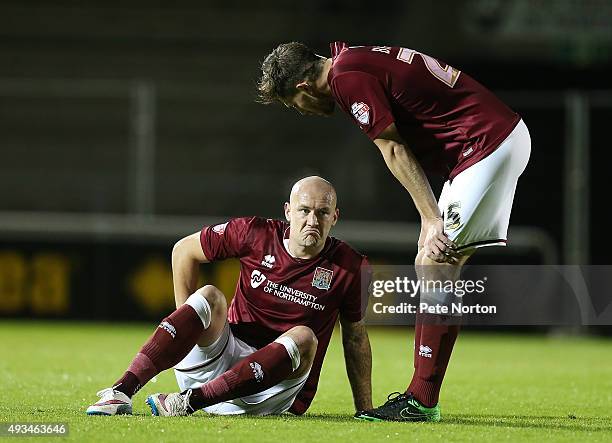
447, 119
276, 291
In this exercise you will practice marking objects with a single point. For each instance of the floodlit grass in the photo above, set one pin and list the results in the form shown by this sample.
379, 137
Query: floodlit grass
498, 387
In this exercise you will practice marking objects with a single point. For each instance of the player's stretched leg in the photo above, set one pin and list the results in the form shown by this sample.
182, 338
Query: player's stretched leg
196, 321
290, 356
434, 340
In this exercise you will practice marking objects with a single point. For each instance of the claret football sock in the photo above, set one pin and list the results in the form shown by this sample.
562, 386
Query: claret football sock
175, 336
432, 354
255, 373
417, 341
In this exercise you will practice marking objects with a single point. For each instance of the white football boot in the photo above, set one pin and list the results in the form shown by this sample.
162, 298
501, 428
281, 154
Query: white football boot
111, 402
170, 405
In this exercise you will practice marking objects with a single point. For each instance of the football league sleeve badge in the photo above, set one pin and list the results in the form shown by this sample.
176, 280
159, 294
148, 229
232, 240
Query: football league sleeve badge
361, 112
220, 228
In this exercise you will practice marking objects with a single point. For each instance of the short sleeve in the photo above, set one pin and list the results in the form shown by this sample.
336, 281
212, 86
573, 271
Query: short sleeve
227, 240
355, 302
363, 97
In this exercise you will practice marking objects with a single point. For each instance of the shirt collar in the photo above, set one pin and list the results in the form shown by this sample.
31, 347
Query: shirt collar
337, 48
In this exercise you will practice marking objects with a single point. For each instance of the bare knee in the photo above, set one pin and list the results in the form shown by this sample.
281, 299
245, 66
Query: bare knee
429, 268
418, 260
306, 341
218, 314
214, 297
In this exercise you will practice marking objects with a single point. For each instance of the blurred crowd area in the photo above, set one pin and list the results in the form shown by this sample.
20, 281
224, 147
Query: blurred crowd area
77, 76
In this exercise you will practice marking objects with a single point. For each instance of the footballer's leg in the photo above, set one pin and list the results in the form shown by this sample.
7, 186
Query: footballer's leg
436, 340
196, 321
218, 314
433, 347
306, 342
290, 356
477, 206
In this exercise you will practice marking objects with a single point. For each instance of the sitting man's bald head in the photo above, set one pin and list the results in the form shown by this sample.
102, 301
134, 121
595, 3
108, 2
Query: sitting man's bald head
311, 212
314, 185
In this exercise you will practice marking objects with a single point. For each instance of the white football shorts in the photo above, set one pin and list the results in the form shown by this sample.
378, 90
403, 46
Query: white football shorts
476, 204
203, 364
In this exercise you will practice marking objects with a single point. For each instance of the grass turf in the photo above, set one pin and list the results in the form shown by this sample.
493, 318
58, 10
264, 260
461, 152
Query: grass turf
498, 387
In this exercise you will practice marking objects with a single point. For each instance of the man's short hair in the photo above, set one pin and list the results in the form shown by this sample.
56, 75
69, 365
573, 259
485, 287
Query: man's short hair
285, 67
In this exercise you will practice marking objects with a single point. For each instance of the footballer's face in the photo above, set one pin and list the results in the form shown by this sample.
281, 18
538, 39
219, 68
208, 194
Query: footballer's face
311, 213
307, 101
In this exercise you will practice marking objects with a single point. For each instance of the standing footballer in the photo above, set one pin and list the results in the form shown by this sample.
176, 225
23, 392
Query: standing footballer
425, 117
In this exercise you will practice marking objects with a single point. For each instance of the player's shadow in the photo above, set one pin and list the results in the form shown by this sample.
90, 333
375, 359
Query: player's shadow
288, 417
338, 418
330, 417
532, 421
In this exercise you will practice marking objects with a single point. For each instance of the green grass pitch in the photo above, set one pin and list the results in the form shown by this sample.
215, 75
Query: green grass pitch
498, 387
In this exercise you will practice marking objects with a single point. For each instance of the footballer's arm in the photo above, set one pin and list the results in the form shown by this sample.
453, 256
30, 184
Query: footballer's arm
358, 359
187, 255
406, 168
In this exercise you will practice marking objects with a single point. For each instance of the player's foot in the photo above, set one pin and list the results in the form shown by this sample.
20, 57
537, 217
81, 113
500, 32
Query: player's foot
111, 402
170, 405
400, 407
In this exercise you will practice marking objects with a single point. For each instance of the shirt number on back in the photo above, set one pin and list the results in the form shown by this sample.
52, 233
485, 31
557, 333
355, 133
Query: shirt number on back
447, 75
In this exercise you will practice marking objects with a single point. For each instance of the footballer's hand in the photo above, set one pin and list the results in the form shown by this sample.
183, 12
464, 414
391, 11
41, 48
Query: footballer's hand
438, 247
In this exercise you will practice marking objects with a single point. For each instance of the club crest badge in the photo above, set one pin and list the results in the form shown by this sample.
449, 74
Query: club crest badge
361, 112
322, 278
453, 219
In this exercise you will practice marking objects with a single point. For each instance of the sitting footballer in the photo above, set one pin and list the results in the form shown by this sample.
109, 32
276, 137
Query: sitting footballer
263, 355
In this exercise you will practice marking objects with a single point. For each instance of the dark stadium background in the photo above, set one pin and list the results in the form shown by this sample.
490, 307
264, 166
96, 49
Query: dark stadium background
126, 125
